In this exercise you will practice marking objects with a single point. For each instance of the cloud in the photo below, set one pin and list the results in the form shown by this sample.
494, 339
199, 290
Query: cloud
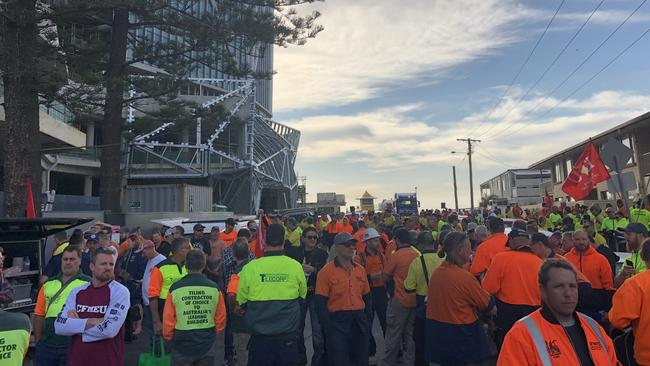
370, 45
574, 120
401, 152
383, 139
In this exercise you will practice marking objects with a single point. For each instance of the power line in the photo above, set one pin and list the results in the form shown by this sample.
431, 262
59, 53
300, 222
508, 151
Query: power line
548, 68
579, 66
490, 157
584, 83
512, 82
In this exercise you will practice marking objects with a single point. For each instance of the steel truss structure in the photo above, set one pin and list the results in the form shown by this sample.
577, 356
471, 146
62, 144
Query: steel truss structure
246, 155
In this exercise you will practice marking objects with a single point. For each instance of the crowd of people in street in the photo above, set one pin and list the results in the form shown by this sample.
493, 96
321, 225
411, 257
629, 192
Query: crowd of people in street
511, 287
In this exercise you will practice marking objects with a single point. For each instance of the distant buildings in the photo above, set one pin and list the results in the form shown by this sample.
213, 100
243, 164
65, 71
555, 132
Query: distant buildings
521, 186
367, 202
634, 134
527, 186
329, 202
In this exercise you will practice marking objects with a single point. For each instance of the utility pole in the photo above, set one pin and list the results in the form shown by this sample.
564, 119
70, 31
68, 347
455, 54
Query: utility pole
455, 188
471, 180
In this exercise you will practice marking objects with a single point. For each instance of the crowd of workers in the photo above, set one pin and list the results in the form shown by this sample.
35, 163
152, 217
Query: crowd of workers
449, 288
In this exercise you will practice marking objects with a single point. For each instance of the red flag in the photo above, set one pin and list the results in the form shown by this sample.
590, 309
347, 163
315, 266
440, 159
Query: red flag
547, 199
588, 170
261, 235
30, 210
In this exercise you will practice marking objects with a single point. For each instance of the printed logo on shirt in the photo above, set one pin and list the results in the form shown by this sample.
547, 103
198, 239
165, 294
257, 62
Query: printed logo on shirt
595, 346
274, 277
553, 349
98, 309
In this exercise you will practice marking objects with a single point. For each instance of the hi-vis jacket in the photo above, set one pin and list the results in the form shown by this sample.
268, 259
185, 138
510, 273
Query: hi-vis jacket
538, 339
271, 288
194, 313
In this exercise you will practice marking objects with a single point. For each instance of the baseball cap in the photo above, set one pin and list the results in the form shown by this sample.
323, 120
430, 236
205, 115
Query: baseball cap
198, 227
370, 234
230, 221
636, 227
471, 226
518, 233
92, 237
342, 238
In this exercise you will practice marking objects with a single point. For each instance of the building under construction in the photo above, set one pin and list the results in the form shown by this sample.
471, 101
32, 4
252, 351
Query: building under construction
248, 159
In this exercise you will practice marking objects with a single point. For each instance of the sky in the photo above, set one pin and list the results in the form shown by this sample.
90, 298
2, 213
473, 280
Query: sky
384, 92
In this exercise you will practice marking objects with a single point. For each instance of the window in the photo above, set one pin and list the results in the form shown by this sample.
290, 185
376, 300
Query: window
606, 196
568, 165
627, 141
558, 177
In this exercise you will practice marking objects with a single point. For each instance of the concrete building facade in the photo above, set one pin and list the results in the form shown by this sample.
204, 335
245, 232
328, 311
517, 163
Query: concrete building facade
521, 186
635, 134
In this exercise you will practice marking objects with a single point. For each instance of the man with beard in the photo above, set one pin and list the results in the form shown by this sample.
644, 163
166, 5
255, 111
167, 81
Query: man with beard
590, 262
94, 316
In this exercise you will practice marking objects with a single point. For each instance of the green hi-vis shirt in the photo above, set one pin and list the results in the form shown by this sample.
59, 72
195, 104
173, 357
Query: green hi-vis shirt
196, 302
608, 224
637, 262
270, 287
14, 338
415, 278
51, 309
641, 216
171, 272
556, 220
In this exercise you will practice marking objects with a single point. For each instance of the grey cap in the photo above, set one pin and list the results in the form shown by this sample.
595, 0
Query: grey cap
342, 238
471, 226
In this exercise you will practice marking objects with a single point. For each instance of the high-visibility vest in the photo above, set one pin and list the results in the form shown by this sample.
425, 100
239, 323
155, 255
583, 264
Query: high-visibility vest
540, 343
195, 305
53, 305
171, 273
14, 338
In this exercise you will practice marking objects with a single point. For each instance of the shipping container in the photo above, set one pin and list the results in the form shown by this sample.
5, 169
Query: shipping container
169, 198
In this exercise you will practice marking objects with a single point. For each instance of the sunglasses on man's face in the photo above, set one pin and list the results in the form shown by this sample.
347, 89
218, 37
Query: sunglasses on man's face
311, 237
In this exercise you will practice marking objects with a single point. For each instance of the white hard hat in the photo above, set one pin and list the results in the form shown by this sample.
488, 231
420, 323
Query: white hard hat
370, 233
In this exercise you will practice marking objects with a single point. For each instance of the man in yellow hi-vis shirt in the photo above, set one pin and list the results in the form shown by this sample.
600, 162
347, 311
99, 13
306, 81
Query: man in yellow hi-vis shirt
417, 281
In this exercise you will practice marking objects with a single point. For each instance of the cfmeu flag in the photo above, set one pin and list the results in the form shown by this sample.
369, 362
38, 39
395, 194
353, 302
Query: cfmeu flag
588, 171
547, 199
264, 223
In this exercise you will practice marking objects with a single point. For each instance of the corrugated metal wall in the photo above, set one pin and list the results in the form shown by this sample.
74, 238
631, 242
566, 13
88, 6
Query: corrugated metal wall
168, 198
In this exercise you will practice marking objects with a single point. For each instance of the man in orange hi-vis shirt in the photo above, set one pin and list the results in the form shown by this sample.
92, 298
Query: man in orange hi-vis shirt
229, 235
490, 247
512, 279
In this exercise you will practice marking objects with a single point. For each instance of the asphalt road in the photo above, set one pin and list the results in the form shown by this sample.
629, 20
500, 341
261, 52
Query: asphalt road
141, 345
